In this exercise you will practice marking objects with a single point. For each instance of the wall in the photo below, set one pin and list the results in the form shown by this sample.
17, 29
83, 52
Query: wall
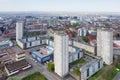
43, 59
76, 44
20, 44
30, 43
83, 46
93, 68
105, 45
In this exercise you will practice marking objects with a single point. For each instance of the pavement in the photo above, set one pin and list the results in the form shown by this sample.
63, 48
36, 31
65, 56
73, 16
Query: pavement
117, 77
36, 66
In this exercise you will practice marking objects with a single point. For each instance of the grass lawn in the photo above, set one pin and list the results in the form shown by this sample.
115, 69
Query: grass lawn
112, 73
88, 52
33, 35
51, 67
105, 74
97, 74
80, 61
76, 72
35, 76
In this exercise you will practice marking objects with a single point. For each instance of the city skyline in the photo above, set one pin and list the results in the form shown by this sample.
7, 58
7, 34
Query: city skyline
60, 5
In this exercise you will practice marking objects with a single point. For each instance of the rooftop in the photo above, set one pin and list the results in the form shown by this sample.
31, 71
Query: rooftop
9, 54
16, 65
105, 29
87, 65
39, 53
62, 33
32, 39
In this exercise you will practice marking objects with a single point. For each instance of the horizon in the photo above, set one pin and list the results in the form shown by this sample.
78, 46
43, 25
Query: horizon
59, 6
56, 12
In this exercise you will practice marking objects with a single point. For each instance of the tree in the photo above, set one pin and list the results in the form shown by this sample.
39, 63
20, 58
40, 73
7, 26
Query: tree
74, 24
77, 72
52, 38
13, 38
84, 38
51, 67
13, 78
117, 64
35, 76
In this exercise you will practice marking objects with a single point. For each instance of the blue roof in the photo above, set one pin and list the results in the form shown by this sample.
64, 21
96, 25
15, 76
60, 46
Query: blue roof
4, 43
37, 53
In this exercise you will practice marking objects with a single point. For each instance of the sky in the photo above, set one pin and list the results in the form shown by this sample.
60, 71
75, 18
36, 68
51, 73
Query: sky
61, 5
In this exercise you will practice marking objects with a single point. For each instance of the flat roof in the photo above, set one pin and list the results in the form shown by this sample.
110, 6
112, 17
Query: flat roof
40, 55
22, 40
87, 65
105, 29
16, 65
9, 53
62, 33
117, 42
43, 55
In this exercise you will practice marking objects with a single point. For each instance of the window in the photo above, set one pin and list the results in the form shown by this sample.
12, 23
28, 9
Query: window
79, 55
87, 72
99, 64
30, 43
36, 37
93, 67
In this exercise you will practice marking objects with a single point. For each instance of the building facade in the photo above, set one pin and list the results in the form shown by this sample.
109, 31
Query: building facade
74, 54
82, 32
43, 55
105, 45
61, 56
90, 68
31, 42
19, 30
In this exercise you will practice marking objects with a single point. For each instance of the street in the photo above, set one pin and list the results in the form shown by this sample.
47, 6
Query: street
117, 77
36, 66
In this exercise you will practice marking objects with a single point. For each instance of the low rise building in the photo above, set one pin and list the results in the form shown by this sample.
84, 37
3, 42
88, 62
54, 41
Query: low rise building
74, 54
16, 67
82, 32
11, 55
43, 54
116, 43
6, 44
9, 33
20, 56
3, 75
31, 42
90, 68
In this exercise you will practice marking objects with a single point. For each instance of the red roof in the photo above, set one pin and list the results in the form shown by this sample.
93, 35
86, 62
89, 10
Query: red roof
70, 34
91, 38
116, 45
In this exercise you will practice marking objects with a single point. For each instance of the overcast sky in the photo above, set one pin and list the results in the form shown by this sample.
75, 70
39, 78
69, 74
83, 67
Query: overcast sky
61, 5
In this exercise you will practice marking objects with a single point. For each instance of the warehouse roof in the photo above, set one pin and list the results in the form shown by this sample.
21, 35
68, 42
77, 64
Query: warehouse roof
39, 54
16, 65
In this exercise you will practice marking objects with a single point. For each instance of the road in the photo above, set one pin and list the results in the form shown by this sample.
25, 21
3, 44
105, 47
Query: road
117, 77
38, 67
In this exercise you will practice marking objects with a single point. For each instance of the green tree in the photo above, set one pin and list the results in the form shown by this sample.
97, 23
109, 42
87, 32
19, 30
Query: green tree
52, 38
74, 24
117, 64
51, 67
76, 72
35, 76
13, 38
13, 78
84, 38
